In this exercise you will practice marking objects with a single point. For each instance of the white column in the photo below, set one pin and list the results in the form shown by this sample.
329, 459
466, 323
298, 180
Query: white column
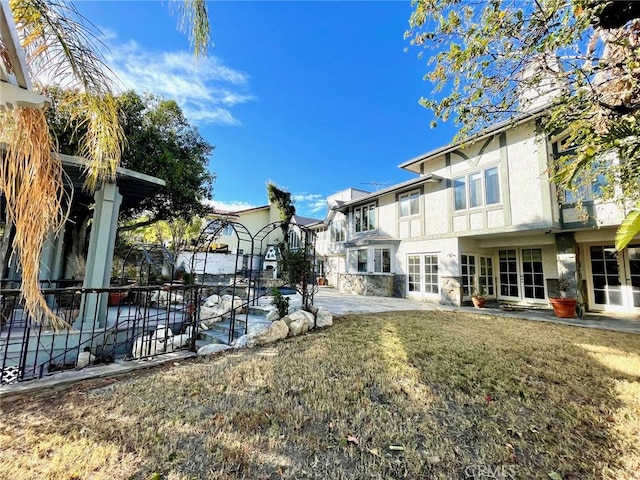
100, 257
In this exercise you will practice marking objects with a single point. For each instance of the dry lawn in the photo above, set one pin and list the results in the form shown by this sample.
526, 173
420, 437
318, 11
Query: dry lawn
415, 395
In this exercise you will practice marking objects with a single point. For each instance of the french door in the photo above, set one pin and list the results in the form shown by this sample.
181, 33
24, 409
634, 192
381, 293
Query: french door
615, 278
520, 274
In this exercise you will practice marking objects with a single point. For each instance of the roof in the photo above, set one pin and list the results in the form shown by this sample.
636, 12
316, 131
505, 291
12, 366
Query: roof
133, 186
252, 209
482, 134
305, 221
429, 178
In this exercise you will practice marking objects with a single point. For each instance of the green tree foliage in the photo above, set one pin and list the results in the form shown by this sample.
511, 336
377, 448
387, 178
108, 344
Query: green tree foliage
582, 56
159, 142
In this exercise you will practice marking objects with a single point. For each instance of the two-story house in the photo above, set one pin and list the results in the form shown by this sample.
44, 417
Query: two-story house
482, 215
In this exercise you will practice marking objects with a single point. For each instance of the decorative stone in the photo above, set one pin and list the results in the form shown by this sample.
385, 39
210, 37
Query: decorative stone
276, 331
255, 327
212, 300
213, 314
298, 327
162, 333
324, 319
213, 348
273, 315
177, 342
144, 346
240, 342
85, 358
300, 315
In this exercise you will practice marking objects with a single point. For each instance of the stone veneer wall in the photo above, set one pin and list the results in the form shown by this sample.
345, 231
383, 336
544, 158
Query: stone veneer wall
380, 285
450, 291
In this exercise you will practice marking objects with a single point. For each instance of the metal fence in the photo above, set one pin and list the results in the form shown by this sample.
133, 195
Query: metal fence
105, 325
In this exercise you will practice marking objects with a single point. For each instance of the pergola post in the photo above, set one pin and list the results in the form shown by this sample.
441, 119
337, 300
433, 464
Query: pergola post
100, 256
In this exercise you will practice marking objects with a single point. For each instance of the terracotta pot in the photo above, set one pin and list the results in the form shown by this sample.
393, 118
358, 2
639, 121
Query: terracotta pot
564, 307
478, 302
116, 297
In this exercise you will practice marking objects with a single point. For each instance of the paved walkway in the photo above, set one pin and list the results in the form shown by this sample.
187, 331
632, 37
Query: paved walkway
340, 303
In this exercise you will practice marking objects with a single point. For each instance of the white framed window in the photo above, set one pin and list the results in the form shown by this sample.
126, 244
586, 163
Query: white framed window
477, 189
382, 260
294, 239
423, 273
409, 204
365, 218
362, 260
338, 230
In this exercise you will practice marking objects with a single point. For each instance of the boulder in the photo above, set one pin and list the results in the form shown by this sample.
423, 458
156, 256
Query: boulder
276, 331
213, 348
212, 300
273, 315
298, 327
85, 358
240, 342
300, 315
162, 333
324, 318
213, 314
177, 342
144, 346
162, 298
255, 327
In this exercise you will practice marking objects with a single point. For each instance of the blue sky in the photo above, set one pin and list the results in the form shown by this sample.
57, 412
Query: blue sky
314, 96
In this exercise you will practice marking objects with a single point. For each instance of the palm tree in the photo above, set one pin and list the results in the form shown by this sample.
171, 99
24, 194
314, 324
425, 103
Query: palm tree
60, 46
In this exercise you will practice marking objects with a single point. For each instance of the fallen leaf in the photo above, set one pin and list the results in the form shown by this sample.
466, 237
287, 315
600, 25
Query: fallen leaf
374, 451
555, 476
610, 418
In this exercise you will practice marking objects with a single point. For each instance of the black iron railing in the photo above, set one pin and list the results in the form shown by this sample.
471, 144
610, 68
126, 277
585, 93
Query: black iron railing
104, 325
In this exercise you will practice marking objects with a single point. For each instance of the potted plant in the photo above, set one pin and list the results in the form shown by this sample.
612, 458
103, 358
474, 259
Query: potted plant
477, 297
563, 306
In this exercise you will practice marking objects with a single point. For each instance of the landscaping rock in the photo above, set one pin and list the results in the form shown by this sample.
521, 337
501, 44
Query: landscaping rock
298, 327
255, 327
211, 314
273, 315
212, 300
85, 358
212, 348
240, 342
300, 315
276, 331
324, 319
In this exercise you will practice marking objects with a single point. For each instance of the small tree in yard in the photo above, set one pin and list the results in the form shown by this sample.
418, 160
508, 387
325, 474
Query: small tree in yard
297, 270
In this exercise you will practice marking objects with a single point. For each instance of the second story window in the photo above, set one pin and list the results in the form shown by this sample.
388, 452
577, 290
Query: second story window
365, 218
338, 230
409, 204
294, 239
477, 189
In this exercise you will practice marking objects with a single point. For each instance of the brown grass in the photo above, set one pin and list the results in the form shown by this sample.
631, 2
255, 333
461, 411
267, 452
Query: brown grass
396, 395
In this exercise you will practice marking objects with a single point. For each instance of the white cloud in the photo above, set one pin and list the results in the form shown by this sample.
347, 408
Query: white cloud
205, 88
310, 203
232, 206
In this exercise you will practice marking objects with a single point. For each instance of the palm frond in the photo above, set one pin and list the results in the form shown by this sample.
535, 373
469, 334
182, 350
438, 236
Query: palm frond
195, 19
629, 228
104, 139
31, 180
61, 46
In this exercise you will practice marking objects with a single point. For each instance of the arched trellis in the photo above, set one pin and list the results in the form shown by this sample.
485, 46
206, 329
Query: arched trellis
252, 247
